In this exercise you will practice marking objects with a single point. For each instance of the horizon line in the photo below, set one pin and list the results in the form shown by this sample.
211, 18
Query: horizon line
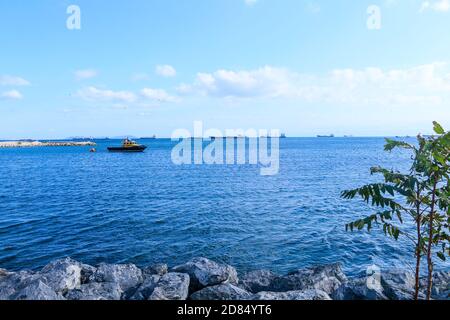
169, 138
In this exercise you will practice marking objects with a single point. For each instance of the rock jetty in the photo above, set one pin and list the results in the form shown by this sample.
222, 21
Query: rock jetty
30, 144
203, 279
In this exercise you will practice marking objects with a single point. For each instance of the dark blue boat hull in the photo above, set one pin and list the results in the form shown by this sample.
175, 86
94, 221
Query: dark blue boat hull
128, 149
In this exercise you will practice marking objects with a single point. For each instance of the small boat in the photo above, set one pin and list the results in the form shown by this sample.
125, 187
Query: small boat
128, 146
328, 136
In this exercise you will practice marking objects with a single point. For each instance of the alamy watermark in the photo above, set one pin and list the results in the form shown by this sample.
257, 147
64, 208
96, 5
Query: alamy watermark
374, 19
73, 22
235, 147
373, 280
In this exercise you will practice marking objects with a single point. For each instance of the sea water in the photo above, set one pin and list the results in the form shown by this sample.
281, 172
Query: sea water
142, 208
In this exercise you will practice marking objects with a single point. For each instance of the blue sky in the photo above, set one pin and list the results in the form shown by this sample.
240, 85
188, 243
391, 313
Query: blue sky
146, 67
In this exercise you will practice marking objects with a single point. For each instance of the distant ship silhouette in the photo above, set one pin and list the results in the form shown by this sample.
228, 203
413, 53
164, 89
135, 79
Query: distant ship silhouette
326, 136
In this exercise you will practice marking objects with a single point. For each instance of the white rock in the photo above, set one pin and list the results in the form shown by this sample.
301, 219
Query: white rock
62, 275
224, 291
36, 290
357, 289
293, 295
171, 286
126, 276
145, 290
204, 272
327, 278
96, 291
257, 281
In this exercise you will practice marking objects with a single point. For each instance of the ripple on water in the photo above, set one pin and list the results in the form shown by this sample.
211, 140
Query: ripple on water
143, 209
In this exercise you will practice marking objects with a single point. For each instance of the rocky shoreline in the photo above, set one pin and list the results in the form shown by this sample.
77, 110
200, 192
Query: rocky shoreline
31, 144
203, 279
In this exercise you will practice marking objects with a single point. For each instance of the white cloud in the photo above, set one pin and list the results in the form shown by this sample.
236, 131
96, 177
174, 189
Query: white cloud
438, 5
95, 94
416, 85
7, 80
250, 2
184, 88
85, 74
11, 95
158, 95
266, 81
124, 98
165, 71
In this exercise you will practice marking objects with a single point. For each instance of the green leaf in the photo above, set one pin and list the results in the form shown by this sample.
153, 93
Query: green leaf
392, 144
441, 256
399, 216
438, 128
408, 197
396, 233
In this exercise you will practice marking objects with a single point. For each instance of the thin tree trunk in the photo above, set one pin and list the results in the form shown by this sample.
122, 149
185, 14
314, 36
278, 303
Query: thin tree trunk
430, 241
416, 289
418, 251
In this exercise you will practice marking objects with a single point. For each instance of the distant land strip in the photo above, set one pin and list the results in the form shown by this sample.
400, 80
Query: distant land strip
28, 144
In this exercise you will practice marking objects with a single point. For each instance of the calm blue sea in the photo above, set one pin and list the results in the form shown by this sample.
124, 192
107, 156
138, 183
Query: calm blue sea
141, 208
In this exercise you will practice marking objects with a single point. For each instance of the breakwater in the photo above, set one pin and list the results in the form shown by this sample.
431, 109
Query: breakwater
204, 279
29, 144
